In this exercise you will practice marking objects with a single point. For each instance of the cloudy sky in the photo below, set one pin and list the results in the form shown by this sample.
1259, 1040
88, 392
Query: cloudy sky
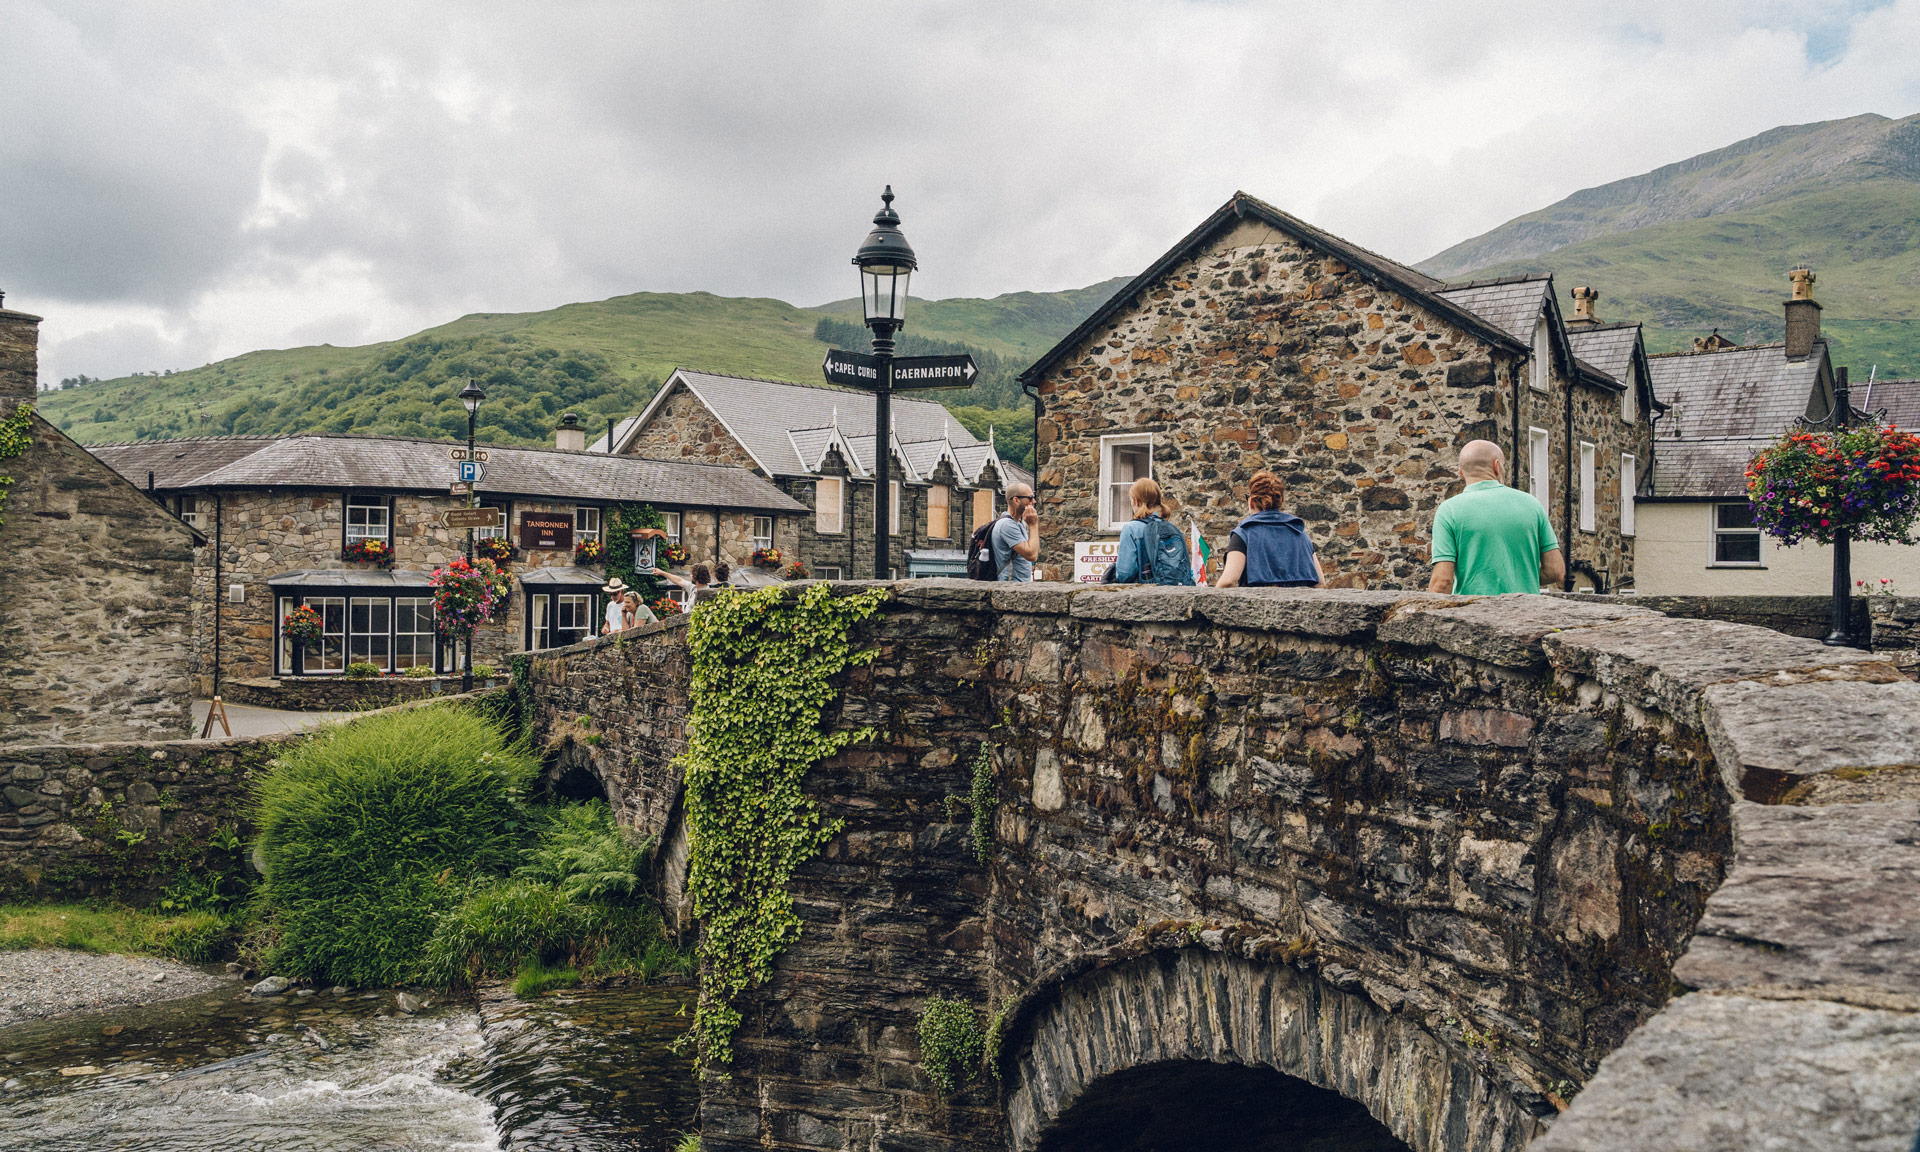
185, 181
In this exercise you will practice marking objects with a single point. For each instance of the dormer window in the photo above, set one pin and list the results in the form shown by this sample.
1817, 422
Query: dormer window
1542, 368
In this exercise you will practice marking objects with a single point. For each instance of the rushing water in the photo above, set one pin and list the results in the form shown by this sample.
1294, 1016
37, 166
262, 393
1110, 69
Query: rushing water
581, 1071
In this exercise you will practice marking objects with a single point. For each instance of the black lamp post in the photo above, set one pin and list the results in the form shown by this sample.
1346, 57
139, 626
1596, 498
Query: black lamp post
1840, 626
470, 398
886, 261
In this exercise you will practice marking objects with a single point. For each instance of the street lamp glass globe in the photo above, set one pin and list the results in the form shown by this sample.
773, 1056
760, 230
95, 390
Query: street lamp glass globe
470, 397
884, 291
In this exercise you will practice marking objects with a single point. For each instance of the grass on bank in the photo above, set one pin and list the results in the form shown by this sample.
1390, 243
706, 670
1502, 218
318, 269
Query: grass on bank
192, 936
401, 849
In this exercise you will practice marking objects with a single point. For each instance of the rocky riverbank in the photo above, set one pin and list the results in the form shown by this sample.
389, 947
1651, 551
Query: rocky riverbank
42, 983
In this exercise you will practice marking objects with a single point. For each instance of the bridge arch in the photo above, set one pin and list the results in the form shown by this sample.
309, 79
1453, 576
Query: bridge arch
1157, 1018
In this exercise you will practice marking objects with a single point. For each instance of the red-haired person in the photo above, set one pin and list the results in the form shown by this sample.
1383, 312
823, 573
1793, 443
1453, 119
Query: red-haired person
1270, 548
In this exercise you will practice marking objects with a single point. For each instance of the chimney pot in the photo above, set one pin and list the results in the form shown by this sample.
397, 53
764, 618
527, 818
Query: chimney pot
569, 436
1584, 299
19, 355
1803, 315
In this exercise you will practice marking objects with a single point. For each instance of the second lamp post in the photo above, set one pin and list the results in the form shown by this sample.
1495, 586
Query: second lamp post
885, 260
470, 398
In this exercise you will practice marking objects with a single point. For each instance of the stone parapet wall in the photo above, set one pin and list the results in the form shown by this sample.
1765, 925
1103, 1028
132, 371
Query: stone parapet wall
1487, 826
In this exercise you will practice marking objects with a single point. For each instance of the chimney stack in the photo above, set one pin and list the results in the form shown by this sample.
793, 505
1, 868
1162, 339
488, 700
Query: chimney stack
1584, 299
570, 437
19, 354
1803, 315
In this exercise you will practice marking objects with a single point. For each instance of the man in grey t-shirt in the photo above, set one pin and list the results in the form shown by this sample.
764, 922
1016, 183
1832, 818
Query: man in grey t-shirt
1016, 536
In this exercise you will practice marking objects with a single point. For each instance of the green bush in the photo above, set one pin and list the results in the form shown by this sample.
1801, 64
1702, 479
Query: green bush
483, 671
952, 1044
362, 671
369, 831
535, 978
418, 672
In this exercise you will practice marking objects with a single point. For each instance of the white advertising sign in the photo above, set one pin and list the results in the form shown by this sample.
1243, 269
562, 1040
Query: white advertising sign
1092, 558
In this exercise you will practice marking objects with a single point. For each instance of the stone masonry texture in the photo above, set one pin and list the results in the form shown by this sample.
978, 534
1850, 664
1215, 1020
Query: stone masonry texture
1441, 855
94, 620
1260, 353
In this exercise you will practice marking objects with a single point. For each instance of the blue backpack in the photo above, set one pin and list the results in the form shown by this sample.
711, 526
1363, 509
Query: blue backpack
1167, 557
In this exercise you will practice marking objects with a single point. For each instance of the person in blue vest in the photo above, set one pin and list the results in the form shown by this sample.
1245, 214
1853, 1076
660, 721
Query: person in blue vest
1151, 551
1270, 548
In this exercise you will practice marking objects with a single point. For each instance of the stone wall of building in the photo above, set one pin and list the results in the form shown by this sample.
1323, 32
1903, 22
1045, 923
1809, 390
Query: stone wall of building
94, 622
1259, 353
683, 429
1493, 824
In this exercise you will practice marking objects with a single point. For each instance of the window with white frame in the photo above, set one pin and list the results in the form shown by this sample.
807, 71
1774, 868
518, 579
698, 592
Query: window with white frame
500, 529
895, 497
828, 506
329, 653
824, 572
983, 509
586, 524
370, 631
1542, 367
1538, 467
368, 518
1586, 487
1629, 484
283, 607
572, 618
939, 523
1736, 537
673, 526
763, 531
412, 632
1630, 399
1123, 459
190, 511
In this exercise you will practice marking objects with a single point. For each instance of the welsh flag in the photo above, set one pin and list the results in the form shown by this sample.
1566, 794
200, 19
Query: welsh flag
1198, 552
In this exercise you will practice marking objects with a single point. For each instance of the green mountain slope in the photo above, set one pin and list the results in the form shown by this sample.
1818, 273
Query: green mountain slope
1707, 243
602, 360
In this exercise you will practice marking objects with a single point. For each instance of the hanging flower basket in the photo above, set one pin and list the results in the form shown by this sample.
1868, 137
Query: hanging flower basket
675, 555
303, 626
498, 549
1808, 485
794, 571
468, 595
369, 552
768, 557
589, 552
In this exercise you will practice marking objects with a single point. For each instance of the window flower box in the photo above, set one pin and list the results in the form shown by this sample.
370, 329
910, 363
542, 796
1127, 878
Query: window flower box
368, 552
768, 557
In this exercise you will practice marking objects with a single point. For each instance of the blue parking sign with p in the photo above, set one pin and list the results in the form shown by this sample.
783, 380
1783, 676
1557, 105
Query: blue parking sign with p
471, 471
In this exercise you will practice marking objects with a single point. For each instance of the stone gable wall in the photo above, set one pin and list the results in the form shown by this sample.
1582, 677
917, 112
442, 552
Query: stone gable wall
1493, 824
1259, 353
94, 621
684, 429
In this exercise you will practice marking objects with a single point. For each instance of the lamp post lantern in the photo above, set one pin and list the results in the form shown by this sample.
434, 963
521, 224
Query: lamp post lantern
470, 398
886, 261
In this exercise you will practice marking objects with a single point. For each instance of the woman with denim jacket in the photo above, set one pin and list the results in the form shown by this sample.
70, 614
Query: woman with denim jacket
1270, 548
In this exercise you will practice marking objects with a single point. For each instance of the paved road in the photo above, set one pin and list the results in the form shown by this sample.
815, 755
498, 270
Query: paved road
250, 721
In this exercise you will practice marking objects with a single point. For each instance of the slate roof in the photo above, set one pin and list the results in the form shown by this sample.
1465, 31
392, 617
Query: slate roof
392, 463
1608, 347
1900, 398
1512, 303
1704, 469
1371, 265
760, 413
1737, 392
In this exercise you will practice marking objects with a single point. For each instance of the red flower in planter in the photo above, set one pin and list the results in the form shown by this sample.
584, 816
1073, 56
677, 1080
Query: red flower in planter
303, 625
768, 557
498, 549
369, 552
589, 552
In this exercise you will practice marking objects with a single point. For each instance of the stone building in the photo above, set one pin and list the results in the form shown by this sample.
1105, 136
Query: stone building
816, 444
287, 518
94, 641
1724, 403
1261, 342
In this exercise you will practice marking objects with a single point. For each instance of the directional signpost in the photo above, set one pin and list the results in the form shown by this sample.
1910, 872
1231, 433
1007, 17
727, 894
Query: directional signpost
472, 471
471, 517
852, 369
919, 373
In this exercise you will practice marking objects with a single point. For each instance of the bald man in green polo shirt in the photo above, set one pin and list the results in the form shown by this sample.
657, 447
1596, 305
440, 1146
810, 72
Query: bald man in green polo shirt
1491, 538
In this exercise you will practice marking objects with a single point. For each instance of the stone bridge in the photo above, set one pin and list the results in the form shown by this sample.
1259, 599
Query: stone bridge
1340, 870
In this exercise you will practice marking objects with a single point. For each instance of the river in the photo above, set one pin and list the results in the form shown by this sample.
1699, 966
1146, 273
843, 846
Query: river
581, 1071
